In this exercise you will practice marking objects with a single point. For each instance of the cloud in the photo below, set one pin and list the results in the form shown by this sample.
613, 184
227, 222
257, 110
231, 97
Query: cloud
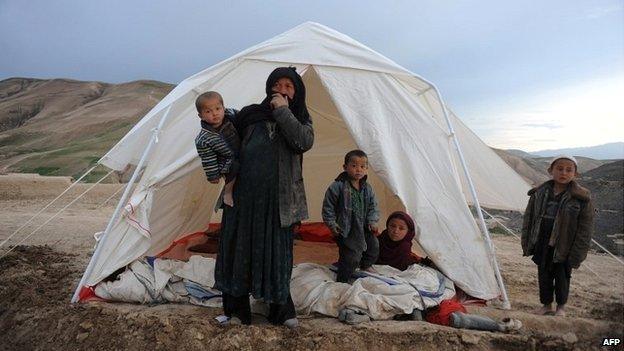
542, 125
586, 113
599, 12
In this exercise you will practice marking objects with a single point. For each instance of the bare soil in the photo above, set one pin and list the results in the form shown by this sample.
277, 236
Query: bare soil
38, 277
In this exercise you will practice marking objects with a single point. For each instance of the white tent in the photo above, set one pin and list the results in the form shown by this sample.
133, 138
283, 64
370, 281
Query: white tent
357, 98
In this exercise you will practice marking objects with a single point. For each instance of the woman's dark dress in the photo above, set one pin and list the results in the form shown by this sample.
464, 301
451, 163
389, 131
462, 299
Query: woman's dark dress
255, 253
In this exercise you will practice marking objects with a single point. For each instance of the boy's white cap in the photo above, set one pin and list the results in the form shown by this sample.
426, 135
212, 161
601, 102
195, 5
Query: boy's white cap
567, 157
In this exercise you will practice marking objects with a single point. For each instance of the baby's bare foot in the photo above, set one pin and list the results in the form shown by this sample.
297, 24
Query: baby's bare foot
228, 199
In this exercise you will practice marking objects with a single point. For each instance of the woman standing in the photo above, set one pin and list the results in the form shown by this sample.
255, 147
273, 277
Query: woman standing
256, 246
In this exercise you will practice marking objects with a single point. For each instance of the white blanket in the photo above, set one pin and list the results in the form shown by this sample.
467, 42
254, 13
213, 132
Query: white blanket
166, 282
313, 287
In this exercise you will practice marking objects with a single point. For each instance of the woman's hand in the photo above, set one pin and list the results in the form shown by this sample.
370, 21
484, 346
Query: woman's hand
278, 100
373, 229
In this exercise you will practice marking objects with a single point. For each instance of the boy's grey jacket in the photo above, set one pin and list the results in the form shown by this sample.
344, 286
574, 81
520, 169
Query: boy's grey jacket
296, 138
337, 210
573, 225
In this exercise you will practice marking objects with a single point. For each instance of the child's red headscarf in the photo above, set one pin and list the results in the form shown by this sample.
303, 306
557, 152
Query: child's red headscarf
397, 254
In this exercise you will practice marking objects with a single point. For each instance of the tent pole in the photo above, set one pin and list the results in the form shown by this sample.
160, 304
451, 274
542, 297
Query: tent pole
120, 205
473, 192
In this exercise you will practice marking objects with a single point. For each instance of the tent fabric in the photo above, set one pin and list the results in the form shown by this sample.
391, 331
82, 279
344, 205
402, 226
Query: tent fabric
357, 98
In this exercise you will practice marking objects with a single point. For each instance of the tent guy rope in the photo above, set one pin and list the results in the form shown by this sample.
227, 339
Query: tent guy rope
56, 214
48, 205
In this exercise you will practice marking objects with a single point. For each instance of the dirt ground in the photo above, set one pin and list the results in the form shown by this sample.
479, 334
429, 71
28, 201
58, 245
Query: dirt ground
38, 277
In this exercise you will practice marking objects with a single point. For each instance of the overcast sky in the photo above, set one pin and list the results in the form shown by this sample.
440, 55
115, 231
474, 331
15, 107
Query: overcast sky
522, 74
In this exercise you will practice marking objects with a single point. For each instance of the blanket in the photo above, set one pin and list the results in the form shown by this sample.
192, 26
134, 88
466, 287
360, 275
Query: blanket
381, 294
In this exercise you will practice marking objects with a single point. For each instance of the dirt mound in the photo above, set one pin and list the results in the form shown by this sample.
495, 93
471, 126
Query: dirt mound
35, 314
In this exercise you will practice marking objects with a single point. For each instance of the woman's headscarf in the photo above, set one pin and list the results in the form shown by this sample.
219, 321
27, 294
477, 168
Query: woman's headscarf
262, 112
397, 254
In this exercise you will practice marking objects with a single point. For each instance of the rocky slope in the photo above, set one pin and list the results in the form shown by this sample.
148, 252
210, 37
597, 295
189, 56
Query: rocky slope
607, 186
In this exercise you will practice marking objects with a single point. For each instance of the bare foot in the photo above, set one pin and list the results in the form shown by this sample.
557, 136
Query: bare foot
560, 311
228, 199
544, 310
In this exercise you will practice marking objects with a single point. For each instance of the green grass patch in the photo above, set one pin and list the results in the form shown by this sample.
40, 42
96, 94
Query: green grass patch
16, 139
73, 165
96, 175
45, 171
63, 156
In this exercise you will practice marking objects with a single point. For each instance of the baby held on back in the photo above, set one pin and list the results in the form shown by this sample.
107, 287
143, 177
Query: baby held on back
218, 142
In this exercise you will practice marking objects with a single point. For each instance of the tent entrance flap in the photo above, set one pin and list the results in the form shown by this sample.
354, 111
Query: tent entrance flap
332, 140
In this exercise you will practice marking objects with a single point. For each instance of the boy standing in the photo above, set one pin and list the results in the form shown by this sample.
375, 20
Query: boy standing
217, 143
556, 230
350, 211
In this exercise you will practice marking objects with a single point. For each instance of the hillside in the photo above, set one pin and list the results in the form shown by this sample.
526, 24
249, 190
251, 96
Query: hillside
528, 168
609, 151
607, 186
61, 126
535, 169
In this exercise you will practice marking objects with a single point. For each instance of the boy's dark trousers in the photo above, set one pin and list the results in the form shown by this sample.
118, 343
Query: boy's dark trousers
553, 278
349, 259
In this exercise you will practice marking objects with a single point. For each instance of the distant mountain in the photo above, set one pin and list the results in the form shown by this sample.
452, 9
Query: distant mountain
63, 126
534, 169
610, 151
518, 153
